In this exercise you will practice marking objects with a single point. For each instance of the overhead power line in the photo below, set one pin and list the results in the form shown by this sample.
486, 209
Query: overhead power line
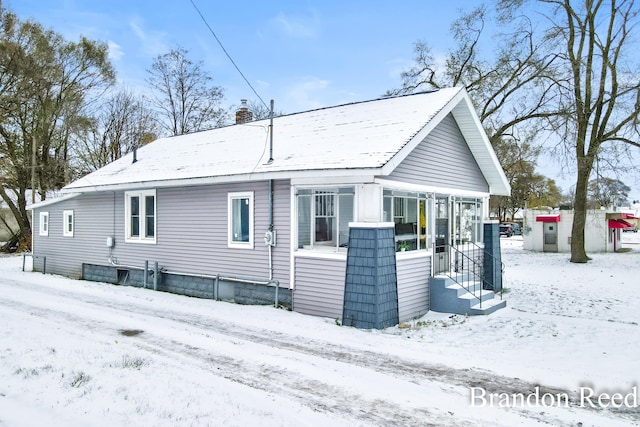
226, 53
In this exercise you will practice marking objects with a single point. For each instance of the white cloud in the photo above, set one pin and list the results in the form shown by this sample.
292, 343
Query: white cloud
263, 84
397, 66
298, 26
153, 42
115, 50
137, 30
306, 95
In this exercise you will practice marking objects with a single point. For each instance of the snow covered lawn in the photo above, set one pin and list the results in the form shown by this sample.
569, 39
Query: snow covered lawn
76, 353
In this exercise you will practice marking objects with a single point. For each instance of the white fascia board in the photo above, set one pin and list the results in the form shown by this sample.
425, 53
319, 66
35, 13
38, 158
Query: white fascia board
395, 161
417, 188
320, 254
53, 201
372, 224
480, 146
310, 176
332, 179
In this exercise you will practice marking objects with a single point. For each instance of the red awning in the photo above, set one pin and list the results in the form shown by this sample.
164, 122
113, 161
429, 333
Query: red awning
629, 216
548, 218
619, 223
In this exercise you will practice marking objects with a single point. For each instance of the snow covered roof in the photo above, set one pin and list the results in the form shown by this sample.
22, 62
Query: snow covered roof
56, 198
27, 195
364, 138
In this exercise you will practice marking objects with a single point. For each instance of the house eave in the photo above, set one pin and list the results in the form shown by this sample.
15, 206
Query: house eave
429, 188
462, 109
299, 177
52, 201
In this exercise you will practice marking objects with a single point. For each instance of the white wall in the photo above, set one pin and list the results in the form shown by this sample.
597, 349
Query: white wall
369, 208
596, 231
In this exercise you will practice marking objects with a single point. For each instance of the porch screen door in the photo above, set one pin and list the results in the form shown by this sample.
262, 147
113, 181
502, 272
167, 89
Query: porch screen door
441, 252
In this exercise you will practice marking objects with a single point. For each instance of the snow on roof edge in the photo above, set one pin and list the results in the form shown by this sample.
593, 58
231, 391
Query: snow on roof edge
52, 201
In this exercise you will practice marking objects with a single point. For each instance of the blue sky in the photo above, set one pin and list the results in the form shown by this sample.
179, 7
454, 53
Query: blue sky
302, 54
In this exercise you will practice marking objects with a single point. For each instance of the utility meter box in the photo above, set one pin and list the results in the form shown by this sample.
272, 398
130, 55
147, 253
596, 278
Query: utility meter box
270, 238
110, 242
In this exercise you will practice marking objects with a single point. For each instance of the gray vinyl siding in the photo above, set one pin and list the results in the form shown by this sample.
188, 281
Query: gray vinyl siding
93, 222
413, 287
319, 289
191, 234
442, 159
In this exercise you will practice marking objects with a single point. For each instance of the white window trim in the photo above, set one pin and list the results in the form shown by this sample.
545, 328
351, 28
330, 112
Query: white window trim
44, 230
143, 210
316, 246
65, 222
230, 198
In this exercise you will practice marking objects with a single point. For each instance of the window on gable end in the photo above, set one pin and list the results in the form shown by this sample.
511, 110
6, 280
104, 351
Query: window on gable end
67, 223
44, 223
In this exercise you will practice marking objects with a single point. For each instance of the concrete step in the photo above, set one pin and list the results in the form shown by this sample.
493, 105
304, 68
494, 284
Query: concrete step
447, 296
465, 288
488, 307
486, 295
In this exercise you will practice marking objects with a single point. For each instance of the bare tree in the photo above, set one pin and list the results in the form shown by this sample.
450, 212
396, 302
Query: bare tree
45, 83
607, 192
596, 45
184, 95
514, 87
122, 124
573, 75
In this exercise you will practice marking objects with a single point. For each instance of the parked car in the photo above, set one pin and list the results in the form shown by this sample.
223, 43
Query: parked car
515, 227
633, 229
506, 230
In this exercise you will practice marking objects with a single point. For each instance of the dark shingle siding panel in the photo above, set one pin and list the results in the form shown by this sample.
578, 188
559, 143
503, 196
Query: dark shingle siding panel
443, 159
371, 296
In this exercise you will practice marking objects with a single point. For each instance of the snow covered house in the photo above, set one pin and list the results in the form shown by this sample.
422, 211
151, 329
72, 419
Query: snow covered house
243, 212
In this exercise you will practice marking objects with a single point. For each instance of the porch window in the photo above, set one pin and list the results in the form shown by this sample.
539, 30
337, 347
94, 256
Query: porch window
324, 216
409, 212
240, 220
140, 216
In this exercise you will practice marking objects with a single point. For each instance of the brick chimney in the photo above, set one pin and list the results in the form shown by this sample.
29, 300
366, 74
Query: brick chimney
243, 115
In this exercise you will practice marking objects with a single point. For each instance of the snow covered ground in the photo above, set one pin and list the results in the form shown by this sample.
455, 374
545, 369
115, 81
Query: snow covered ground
76, 353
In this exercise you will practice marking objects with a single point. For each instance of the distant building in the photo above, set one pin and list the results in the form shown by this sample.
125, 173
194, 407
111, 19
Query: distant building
550, 230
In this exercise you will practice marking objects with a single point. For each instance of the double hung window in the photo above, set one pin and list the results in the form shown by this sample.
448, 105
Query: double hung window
44, 224
140, 216
67, 223
324, 216
240, 220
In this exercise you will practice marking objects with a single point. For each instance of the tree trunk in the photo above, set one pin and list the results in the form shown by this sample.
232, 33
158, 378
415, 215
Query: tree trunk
21, 216
578, 253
